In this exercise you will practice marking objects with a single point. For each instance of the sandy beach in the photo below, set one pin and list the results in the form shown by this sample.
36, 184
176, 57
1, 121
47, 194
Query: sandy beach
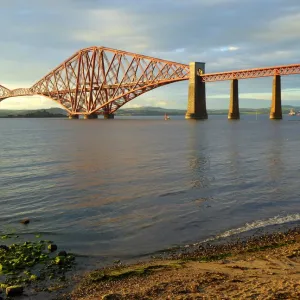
264, 267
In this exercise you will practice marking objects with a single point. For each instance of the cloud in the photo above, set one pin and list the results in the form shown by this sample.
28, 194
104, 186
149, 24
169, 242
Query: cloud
111, 27
226, 34
282, 29
226, 48
33, 102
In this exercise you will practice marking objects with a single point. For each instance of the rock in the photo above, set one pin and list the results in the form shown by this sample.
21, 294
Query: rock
14, 290
4, 247
52, 247
25, 221
112, 297
3, 286
33, 278
62, 253
59, 260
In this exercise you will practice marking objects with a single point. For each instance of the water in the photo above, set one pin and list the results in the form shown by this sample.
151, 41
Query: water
129, 187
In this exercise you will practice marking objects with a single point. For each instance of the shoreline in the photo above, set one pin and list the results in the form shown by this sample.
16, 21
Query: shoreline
262, 267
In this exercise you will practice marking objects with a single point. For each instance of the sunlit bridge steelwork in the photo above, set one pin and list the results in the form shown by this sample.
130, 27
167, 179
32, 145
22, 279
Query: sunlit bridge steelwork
252, 73
99, 80
4, 92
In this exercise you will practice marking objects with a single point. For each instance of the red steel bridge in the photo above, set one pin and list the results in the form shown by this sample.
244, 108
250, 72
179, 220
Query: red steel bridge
99, 80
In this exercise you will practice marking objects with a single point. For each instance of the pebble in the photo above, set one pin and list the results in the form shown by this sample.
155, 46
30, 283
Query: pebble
112, 297
52, 247
14, 290
25, 221
4, 247
62, 253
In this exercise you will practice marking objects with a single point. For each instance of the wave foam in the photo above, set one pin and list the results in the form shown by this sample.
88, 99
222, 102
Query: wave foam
277, 220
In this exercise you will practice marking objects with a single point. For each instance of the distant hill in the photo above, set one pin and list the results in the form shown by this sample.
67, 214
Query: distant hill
157, 111
43, 113
148, 111
136, 111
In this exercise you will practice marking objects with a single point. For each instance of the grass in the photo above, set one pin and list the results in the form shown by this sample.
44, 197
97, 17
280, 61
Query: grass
125, 272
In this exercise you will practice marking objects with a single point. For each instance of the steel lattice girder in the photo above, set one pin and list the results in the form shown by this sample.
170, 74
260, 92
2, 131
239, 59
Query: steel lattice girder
21, 92
101, 80
252, 73
4, 92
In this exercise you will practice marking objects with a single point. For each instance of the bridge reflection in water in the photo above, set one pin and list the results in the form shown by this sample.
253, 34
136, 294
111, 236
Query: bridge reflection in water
99, 80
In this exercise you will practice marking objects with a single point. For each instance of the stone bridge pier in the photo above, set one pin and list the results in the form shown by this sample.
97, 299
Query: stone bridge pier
73, 117
196, 108
234, 112
276, 111
90, 116
197, 96
109, 116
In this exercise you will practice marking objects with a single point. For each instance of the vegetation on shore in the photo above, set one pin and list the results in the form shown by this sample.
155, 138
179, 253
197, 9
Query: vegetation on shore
241, 267
33, 265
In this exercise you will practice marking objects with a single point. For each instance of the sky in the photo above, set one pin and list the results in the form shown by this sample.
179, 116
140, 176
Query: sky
38, 35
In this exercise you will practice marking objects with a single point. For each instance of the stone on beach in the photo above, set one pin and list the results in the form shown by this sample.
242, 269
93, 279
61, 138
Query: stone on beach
52, 247
25, 221
14, 290
62, 253
112, 297
4, 247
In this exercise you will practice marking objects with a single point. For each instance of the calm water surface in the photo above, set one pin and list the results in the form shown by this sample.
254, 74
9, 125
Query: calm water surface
129, 187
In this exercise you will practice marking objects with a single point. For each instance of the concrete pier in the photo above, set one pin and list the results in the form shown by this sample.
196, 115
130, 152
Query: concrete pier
197, 96
109, 116
276, 112
71, 117
234, 111
91, 116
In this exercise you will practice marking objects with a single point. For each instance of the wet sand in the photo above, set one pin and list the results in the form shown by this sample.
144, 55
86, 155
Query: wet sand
264, 267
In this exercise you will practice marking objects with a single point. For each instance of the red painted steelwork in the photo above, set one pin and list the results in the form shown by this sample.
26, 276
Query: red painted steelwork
101, 80
252, 73
4, 92
20, 92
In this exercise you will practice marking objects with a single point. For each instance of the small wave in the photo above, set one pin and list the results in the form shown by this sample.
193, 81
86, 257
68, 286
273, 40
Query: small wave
172, 193
277, 220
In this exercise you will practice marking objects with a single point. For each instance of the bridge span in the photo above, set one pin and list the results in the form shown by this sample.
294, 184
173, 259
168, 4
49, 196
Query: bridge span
99, 80
198, 78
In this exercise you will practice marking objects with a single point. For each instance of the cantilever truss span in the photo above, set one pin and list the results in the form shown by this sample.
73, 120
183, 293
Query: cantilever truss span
100, 80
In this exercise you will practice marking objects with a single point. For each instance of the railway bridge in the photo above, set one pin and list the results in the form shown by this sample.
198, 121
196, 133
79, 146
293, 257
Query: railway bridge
99, 80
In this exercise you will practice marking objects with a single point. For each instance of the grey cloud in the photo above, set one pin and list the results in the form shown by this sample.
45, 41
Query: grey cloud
38, 35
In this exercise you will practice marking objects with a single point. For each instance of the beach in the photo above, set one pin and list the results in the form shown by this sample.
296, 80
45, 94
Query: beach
261, 267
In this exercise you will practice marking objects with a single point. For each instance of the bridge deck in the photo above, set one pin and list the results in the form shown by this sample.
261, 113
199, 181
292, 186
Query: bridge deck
252, 73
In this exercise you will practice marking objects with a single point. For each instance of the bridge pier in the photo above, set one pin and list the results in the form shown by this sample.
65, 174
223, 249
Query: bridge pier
90, 116
71, 117
197, 96
109, 116
276, 112
234, 112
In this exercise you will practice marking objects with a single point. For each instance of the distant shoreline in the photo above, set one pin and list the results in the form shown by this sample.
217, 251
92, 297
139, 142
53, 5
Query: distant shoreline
32, 117
138, 112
